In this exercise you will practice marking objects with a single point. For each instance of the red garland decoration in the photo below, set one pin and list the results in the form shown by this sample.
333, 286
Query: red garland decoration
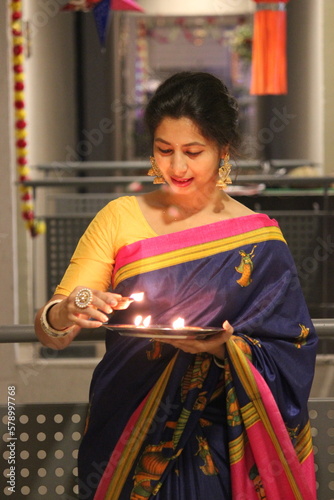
35, 226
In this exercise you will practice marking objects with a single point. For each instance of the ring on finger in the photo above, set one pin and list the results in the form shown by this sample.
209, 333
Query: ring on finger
83, 298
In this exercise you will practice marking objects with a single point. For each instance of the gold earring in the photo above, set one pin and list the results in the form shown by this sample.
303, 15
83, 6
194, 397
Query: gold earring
224, 172
155, 171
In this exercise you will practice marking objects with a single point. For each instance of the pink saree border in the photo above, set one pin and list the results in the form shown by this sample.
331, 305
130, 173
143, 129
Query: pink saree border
271, 471
156, 245
300, 471
117, 453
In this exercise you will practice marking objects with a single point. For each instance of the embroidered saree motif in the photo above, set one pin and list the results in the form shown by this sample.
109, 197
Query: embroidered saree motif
156, 350
157, 457
208, 468
301, 339
150, 467
257, 481
246, 267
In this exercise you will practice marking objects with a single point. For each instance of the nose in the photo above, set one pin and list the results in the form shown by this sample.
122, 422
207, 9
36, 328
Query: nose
179, 164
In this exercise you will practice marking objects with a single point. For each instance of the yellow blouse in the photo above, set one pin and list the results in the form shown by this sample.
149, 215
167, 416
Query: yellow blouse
119, 223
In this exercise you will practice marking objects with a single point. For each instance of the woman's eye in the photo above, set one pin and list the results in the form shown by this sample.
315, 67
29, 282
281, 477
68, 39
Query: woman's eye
165, 151
192, 153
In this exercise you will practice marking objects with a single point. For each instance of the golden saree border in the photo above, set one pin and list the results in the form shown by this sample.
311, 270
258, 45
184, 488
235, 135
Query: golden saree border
304, 445
190, 253
249, 415
245, 374
138, 435
237, 448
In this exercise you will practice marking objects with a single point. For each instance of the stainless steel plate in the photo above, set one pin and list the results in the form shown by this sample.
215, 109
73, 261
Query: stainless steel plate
164, 332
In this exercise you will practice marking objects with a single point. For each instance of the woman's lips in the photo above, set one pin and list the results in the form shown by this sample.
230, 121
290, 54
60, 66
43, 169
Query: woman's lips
181, 182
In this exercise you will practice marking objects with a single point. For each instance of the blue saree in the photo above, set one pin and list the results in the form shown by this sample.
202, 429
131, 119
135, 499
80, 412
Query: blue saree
166, 424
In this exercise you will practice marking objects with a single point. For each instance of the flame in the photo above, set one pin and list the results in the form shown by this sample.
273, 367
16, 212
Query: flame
178, 323
138, 297
138, 320
147, 321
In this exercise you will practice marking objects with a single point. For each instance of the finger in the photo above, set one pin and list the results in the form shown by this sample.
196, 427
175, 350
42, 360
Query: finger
91, 313
228, 328
100, 305
188, 345
123, 303
218, 339
102, 301
109, 297
84, 322
211, 343
88, 312
106, 301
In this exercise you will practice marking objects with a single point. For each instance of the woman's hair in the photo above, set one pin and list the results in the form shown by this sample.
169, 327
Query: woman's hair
201, 97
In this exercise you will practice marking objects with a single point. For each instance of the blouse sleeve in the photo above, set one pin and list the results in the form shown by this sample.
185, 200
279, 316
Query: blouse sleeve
92, 262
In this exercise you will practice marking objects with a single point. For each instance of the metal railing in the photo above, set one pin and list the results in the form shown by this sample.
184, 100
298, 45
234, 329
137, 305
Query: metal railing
324, 182
26, 333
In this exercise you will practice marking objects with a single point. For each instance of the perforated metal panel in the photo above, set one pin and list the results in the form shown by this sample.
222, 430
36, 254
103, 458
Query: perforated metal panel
82, 204
63, 234
44, 449
303, 232
48, 436
321, 413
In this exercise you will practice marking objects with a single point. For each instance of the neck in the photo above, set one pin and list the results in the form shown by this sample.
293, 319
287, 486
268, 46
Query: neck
179, 206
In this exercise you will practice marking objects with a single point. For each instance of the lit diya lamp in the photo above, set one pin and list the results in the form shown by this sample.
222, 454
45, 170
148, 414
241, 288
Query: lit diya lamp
180, 328
124, 302
145, 322
142, 322
142, 327
178, 323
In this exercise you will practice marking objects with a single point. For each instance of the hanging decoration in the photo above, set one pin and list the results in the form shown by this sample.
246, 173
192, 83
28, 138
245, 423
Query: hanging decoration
87, 5
241, 41
195, 30
26, 195
102, 19
195, 35
102, 10
217, 30
164, 31
269, 66
141, 67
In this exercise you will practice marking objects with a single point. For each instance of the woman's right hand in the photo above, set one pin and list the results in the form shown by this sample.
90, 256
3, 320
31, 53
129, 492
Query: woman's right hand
67, 313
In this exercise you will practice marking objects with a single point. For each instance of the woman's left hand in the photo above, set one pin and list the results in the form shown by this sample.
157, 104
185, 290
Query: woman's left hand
214, 345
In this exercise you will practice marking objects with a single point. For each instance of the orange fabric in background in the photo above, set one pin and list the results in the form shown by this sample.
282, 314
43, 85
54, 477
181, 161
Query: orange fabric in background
269, 65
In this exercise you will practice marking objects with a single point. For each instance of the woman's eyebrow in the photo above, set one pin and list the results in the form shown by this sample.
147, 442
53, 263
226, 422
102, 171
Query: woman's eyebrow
158, 139
195, 143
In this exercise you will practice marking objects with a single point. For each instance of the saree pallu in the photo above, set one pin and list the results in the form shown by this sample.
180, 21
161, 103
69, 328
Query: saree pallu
166, 424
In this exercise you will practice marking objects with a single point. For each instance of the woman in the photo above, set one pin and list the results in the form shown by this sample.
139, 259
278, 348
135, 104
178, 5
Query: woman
223, 416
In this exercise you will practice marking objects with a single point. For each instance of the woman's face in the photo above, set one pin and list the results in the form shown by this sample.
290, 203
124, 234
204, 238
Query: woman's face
188, 161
